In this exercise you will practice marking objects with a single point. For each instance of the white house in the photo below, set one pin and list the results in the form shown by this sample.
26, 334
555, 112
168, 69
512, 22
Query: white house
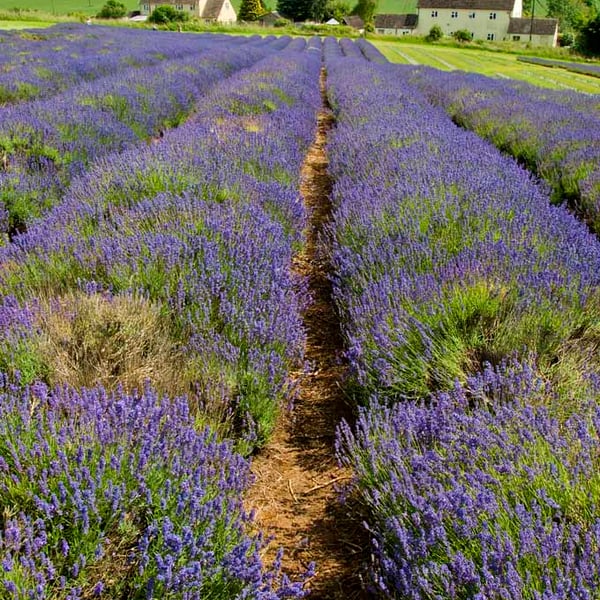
485, 19
220, 11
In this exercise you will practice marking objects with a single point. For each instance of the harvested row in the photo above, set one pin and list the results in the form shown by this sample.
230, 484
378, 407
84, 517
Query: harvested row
44, 144
470, 307
182, 280
553, 133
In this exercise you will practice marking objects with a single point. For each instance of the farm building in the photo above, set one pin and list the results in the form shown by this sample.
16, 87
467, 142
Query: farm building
543, 33
354, 21
220, 11
395, 24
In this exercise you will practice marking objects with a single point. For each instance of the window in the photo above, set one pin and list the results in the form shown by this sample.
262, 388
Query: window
146, 7
434, 13
516, 38
179, 6
471, 15
454, 14
492, 15
490, 36
381, 31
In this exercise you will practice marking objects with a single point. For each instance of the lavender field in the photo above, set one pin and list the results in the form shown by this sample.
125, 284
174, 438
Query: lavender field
154, 319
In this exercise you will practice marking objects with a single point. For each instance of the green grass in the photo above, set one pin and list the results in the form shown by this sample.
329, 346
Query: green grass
397, 7
24, 24
63, 7
493, 64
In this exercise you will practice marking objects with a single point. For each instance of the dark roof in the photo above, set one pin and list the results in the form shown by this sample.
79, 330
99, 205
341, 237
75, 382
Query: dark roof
354, 21
212, 9
395, 21
469, 4
270, 16
540, 26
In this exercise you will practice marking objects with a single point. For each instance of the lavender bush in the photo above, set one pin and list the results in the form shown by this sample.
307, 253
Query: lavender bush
44, 144
496, 500
573, 67
43, 63
121, 495
554, 133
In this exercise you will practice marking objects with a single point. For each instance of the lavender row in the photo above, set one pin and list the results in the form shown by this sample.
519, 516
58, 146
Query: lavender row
39, 64
553, 133
447, 253
168, 265
481, 493
202, 227
449, 257
44, 144
573, 67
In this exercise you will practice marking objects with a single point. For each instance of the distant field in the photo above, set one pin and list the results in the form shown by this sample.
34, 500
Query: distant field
23, 24
487, 63
397, 7
62, 7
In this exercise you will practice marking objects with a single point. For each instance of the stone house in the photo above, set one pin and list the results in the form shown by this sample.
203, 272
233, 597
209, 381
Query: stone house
485, 19
492, 20
220, 11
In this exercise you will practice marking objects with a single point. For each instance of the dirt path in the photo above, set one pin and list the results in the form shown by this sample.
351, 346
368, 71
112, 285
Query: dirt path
295, 495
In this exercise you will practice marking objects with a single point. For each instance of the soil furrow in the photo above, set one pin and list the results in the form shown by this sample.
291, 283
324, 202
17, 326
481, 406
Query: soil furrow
295, 494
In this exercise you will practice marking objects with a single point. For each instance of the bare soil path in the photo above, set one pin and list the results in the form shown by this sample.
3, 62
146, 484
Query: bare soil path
297, 476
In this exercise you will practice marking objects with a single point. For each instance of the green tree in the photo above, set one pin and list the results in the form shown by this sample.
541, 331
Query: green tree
571, 14
366, 9
337, 9
112, 10
295, 10
588, 40
167, 14
250, 10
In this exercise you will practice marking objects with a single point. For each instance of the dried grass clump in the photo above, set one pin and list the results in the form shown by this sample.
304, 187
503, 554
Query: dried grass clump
113, 341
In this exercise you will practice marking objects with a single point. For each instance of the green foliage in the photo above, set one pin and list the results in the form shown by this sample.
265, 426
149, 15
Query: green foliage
588, 40
435, 34
112, 10
337, 9
163, 15
366, 10
296, 10
462, 35
571, 14
251, 10
566, 39
318, 10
